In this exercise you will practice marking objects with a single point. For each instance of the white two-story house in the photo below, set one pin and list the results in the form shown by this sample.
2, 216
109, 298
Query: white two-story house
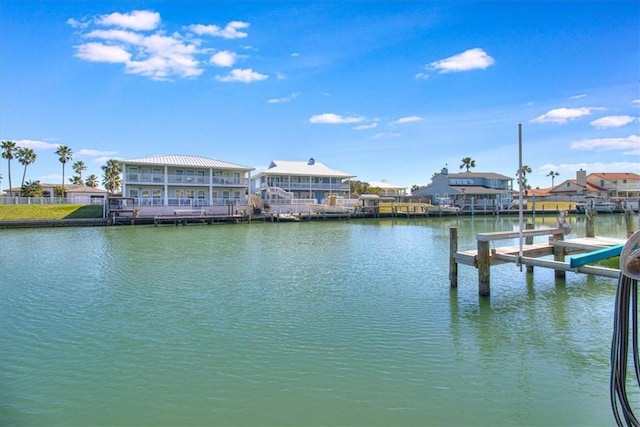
179, 180
308, 181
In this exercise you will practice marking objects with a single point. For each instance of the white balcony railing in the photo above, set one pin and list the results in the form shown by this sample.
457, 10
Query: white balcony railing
185, 180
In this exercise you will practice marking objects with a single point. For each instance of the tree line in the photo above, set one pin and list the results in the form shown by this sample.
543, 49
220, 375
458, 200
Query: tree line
26, 156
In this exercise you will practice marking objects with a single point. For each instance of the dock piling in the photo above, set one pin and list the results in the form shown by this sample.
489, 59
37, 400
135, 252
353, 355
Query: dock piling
453, 249
484, 269
529, 241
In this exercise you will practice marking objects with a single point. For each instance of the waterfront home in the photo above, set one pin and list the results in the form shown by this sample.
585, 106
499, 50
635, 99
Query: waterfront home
388, 190
74, 193
482, 190
577, 189
300, 182
189, 181
617, 184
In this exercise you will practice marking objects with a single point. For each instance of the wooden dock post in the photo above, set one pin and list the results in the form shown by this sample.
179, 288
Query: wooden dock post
558, 255
628, 220
591, 221
529, 241
453, 265
484, 269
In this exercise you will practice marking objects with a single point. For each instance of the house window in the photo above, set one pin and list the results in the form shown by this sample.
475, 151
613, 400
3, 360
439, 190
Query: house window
190, 175
200, 175
179, 173
133, 192
200, 194
157, 175
179, 194
133, 173
157, 193
190, 194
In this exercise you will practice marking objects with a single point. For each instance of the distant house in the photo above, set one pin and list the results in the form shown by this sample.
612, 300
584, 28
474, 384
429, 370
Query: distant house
578, 188
389, 190
617, 184
484, 189
181, 180
310, 180
75, 193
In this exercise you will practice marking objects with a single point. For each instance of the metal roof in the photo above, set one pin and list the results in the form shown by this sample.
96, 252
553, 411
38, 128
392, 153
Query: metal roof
306, 168
384, 185
186, 161
486, 175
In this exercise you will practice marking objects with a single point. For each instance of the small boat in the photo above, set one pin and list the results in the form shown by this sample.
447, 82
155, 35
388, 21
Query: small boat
331, 209
287, 217
604, 207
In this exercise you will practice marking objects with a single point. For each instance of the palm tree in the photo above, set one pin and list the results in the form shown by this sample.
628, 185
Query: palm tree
111, 177
522, 176
553, 175
64, 155
8, 152
92, 181
76, 179
468, 162
25, 156
79, 167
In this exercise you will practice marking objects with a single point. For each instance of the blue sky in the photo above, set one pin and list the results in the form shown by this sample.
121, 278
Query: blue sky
383, 90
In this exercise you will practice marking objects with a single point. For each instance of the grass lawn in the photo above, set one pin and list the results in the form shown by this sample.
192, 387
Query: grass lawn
32, 212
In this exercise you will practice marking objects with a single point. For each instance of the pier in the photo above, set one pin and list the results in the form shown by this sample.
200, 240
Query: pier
531, 254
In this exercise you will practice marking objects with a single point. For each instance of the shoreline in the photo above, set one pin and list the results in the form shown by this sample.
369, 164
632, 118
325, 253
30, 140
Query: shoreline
102, 222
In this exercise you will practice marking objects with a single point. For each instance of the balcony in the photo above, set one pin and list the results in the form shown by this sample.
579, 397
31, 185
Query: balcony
313, 186
186, 180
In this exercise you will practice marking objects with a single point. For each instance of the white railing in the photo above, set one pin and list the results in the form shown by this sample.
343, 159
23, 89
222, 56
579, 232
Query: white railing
143, 178
277, 191
72, 200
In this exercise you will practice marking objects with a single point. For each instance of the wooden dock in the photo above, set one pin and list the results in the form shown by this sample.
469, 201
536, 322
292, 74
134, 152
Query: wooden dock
196, 219
531, 254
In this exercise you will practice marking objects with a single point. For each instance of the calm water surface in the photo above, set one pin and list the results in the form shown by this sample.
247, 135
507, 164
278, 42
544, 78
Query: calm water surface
315, 323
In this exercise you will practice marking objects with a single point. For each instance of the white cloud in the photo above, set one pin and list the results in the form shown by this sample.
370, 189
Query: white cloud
98, 52
230, 31
635, 102
471, 59
76, 24
385, 135
94, 153
137, 20
630, 143
612, 121
409, 119
422, 76
333, 119
35, 144
224, 58
563, 115
242, 75
579, 96
295, 54
367, 126
284, 99
157, 55
117, 36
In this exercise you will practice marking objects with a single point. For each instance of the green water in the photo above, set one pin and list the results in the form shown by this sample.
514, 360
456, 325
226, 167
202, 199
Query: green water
314, 323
